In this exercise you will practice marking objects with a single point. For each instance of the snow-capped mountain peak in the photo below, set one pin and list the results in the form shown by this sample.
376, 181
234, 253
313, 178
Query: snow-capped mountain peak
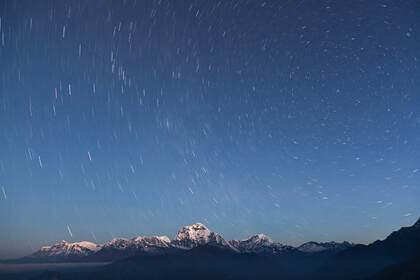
314, 247
67, 249
147, 238
88, 245
260, 238
198, 234
152, 241
188, 237
123, 247
117, 243
259, 243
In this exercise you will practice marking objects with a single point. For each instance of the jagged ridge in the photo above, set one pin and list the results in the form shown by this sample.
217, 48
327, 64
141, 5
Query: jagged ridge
188, 237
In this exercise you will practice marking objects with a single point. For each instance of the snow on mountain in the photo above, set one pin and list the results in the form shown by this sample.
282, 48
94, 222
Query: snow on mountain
197, 235
188, 237
67, 249
140, 243
119, 248
150, 243
314, 247
259, 243
118, 244
162, 241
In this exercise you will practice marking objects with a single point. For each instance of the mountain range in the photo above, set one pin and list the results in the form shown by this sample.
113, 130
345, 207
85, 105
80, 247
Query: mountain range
187, 238
196, 252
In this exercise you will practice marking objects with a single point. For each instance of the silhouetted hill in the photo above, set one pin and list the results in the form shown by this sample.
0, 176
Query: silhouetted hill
365, 260
408, 270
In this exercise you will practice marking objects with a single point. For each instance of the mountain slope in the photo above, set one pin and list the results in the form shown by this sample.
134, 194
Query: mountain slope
409, 270
365, 260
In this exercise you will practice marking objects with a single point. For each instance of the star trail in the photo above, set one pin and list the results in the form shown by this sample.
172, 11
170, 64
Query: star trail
299, 119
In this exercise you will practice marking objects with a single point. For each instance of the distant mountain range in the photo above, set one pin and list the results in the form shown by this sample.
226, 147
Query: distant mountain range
196, 252
187, 238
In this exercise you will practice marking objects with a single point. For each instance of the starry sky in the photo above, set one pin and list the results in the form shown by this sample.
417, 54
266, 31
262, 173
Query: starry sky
299, 119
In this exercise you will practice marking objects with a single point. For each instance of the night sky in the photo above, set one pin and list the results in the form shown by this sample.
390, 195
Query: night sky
299, 119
